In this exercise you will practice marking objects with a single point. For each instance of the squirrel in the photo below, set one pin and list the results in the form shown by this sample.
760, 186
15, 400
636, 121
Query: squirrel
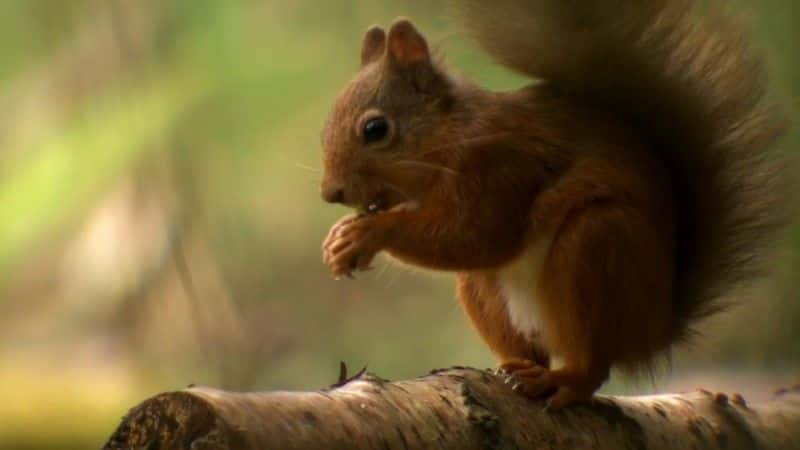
591, 217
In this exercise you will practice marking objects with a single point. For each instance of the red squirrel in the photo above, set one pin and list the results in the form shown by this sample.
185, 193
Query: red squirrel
591, 217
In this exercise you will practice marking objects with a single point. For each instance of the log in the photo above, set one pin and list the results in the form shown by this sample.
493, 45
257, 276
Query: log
457, 408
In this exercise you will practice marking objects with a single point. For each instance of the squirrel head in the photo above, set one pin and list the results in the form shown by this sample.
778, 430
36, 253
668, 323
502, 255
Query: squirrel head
380, 140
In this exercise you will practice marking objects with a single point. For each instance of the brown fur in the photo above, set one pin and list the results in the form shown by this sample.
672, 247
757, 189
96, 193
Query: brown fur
637, 158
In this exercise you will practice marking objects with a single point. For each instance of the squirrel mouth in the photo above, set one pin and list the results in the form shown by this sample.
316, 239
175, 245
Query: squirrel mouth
384, 202
378, 202
381, 207
374, 207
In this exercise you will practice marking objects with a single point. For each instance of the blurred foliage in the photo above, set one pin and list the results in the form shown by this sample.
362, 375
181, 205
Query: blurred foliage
161, 221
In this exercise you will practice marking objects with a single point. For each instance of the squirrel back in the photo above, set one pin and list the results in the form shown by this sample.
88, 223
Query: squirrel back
694, 89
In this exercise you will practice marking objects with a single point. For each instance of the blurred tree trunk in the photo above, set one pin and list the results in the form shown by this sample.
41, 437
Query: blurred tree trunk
453, 409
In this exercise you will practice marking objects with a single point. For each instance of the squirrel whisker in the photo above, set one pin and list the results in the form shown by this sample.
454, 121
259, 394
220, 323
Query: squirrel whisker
308, 168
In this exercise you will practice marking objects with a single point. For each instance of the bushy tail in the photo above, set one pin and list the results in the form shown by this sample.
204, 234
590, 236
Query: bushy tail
691, 82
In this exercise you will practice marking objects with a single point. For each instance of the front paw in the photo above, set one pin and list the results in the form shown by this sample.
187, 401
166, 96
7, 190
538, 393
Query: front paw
352, 244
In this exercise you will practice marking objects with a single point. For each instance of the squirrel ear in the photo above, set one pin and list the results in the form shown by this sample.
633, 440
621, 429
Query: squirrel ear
373, 45
406, 45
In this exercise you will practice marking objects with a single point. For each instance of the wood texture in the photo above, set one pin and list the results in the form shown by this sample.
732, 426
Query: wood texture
458, 408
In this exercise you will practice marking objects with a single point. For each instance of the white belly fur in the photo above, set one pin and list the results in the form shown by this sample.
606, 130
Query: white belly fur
519, 285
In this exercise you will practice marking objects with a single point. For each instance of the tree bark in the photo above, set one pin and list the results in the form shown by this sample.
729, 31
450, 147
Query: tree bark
456, 408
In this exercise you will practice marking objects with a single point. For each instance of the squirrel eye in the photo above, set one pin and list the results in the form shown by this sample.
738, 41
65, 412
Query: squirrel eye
375, 130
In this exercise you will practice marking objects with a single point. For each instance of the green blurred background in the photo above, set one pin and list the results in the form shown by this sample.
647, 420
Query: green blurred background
160, 221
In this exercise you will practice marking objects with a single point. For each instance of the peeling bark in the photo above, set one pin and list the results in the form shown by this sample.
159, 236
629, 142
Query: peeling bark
456, 408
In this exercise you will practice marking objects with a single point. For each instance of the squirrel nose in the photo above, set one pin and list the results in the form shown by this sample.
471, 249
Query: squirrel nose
333, 194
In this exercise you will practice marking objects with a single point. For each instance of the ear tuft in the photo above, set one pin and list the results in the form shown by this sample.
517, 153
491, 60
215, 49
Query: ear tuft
406, 45
373, 45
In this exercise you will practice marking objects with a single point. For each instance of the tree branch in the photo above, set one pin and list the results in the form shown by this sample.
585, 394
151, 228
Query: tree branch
456, 408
